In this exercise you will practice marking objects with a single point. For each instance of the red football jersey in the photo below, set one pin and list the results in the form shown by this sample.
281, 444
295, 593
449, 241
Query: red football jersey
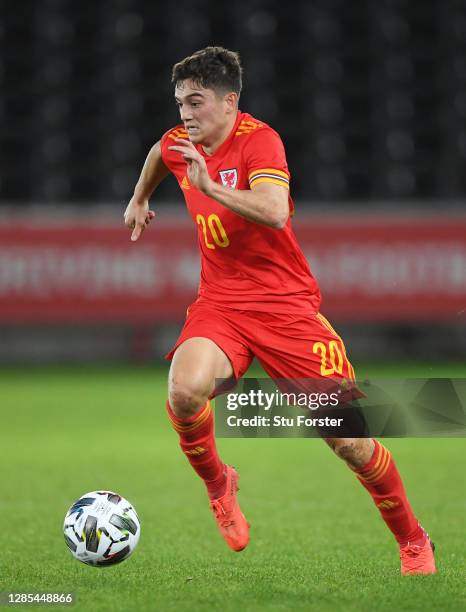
245, 265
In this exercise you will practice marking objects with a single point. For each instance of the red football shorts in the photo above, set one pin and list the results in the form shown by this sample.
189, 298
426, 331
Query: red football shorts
286, 345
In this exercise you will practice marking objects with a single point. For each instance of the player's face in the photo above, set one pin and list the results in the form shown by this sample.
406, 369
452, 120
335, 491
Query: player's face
204, 112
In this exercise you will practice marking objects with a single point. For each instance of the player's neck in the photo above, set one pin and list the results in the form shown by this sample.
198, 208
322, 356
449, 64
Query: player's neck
210, 147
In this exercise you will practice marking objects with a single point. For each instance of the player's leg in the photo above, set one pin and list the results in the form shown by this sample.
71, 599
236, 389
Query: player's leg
376, 470
197, 361
312, 349
196, 364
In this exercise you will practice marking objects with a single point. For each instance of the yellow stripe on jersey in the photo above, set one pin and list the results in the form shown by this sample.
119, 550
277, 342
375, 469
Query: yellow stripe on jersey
252, 124
178, 133
249, 125
246, 127
266, 179
269, 175
268, 171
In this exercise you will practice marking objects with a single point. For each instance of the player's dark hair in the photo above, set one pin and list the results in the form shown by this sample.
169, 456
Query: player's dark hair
212, 68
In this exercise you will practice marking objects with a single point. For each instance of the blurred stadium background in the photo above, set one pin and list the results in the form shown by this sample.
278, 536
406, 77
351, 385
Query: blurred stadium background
370, 100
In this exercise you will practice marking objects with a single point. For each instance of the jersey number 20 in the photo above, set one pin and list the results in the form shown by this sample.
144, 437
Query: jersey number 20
213, 231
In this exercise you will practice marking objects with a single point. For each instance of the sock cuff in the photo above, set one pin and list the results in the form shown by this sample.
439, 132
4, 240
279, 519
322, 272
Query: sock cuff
192, 422
377, 466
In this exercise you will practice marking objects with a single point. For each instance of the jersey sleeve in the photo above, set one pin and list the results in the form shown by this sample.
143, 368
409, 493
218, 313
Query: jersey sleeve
170, 158
264, 156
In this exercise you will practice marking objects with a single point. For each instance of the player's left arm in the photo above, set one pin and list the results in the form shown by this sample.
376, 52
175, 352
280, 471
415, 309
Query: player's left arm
265, 203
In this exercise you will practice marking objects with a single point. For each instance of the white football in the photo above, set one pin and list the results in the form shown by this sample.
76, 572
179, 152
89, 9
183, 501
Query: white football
101, 528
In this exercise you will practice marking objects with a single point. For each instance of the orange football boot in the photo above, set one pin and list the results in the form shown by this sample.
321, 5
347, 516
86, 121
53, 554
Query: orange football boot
418, 559
230, 520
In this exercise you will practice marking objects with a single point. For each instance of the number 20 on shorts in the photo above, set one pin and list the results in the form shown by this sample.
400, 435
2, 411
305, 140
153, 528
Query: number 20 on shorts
331, 357
213, 230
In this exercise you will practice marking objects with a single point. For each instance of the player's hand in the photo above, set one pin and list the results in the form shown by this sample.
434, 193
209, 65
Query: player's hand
138, 216
198, 174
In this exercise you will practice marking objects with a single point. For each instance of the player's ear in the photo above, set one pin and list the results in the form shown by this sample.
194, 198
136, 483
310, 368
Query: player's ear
231, 100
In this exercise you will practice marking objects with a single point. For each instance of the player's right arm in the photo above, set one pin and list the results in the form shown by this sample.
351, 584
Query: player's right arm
137, 214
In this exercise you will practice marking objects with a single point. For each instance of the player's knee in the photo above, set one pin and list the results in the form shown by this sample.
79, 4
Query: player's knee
186, 398
355, 451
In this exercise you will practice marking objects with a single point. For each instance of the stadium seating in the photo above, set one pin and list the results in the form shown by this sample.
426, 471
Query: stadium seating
370, 98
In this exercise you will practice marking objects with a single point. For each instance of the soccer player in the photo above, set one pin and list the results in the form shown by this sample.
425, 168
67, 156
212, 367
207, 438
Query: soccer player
257, 296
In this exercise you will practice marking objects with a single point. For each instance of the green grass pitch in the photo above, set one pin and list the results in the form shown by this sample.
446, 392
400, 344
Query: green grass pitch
317, 542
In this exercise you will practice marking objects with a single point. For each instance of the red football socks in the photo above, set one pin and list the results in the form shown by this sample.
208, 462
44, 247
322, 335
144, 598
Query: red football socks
197, 441
382, 480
